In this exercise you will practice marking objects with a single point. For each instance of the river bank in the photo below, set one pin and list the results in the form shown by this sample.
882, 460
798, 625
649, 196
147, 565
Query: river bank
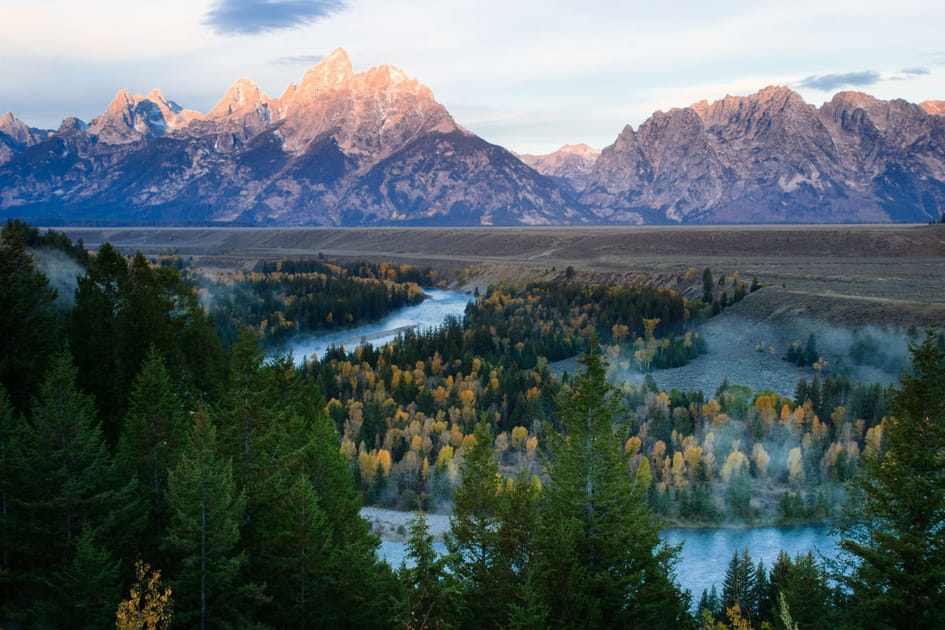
703, 559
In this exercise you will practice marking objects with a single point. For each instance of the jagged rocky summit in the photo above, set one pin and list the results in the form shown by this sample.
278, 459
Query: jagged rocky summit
771, 157
375, 148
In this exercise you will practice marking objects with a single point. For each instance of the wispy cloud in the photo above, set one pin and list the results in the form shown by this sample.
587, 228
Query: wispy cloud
915, 72
830, 82
298, 60
247, 17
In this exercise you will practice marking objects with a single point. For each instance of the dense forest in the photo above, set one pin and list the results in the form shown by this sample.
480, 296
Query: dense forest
159, 468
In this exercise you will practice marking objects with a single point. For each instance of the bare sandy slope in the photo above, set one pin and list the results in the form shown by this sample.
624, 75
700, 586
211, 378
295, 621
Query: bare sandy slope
883, 274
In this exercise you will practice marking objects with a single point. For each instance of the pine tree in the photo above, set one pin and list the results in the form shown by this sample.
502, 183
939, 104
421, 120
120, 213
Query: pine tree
349, 586
294, 557
152, 434
27, 318
203, 536
707, 284
473, 544
605, 563
70, 488
518, 527
92, 331
87, 589
69, 464
739, 585
894, 521
12, 470
430, 589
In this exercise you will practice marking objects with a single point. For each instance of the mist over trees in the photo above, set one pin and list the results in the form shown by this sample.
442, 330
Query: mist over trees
136, 439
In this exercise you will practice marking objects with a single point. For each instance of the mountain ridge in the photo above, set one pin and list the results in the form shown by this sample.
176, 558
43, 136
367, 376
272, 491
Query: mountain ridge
376, 148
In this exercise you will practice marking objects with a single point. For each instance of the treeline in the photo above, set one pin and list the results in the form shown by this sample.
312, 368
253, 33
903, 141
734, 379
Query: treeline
572, 551
792, 593
210, 464
282, 298
577, 550
404, 410
129, 430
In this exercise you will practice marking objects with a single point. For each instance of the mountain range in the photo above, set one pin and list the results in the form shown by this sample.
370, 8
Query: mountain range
376, 148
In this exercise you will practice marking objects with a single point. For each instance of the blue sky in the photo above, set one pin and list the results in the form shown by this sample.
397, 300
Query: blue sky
530, 75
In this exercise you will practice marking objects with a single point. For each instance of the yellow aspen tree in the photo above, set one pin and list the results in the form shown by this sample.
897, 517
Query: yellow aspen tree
348, 449
735, 464
148, 606
531, 447
679, 470
829, 460
761, 458
693, 456
384, 460
644, 475
656, 455
710, 465
469, 442
795, 461
519, 435
367, 464
874, 440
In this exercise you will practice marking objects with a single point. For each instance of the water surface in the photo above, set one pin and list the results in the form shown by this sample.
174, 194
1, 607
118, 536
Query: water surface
431, 313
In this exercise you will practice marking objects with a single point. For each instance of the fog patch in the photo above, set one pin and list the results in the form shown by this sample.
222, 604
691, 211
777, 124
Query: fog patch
63, 273
752, 353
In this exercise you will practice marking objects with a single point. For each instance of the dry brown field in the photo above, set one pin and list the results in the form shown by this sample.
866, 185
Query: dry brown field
849, 274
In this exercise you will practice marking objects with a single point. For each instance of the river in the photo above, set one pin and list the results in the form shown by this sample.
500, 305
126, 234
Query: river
706, 552
702, 562
430, 313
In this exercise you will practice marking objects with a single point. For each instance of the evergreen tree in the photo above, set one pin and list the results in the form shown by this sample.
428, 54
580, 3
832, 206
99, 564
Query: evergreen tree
710, 604
518, 528
12, 469
803, 587
353, 588
152, 435
69, 486
707, 284
203, 536
605, 563
895, 519
739, 585
87, 589
27, 318
294, 557
473, 543
430, 589
92, 331
68, 460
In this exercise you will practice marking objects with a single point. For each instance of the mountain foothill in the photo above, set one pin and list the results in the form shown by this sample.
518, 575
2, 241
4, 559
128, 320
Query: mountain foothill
375, 148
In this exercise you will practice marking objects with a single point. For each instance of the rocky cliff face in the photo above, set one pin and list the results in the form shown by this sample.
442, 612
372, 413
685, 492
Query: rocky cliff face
338, 148
771, 157
570, 166
16, 137
375, 148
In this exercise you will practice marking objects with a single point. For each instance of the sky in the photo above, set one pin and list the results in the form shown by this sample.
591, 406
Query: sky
530, 75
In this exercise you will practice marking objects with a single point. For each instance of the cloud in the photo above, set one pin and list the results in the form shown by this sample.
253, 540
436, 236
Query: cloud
914, 72
830, 82
247, 17
298, 60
